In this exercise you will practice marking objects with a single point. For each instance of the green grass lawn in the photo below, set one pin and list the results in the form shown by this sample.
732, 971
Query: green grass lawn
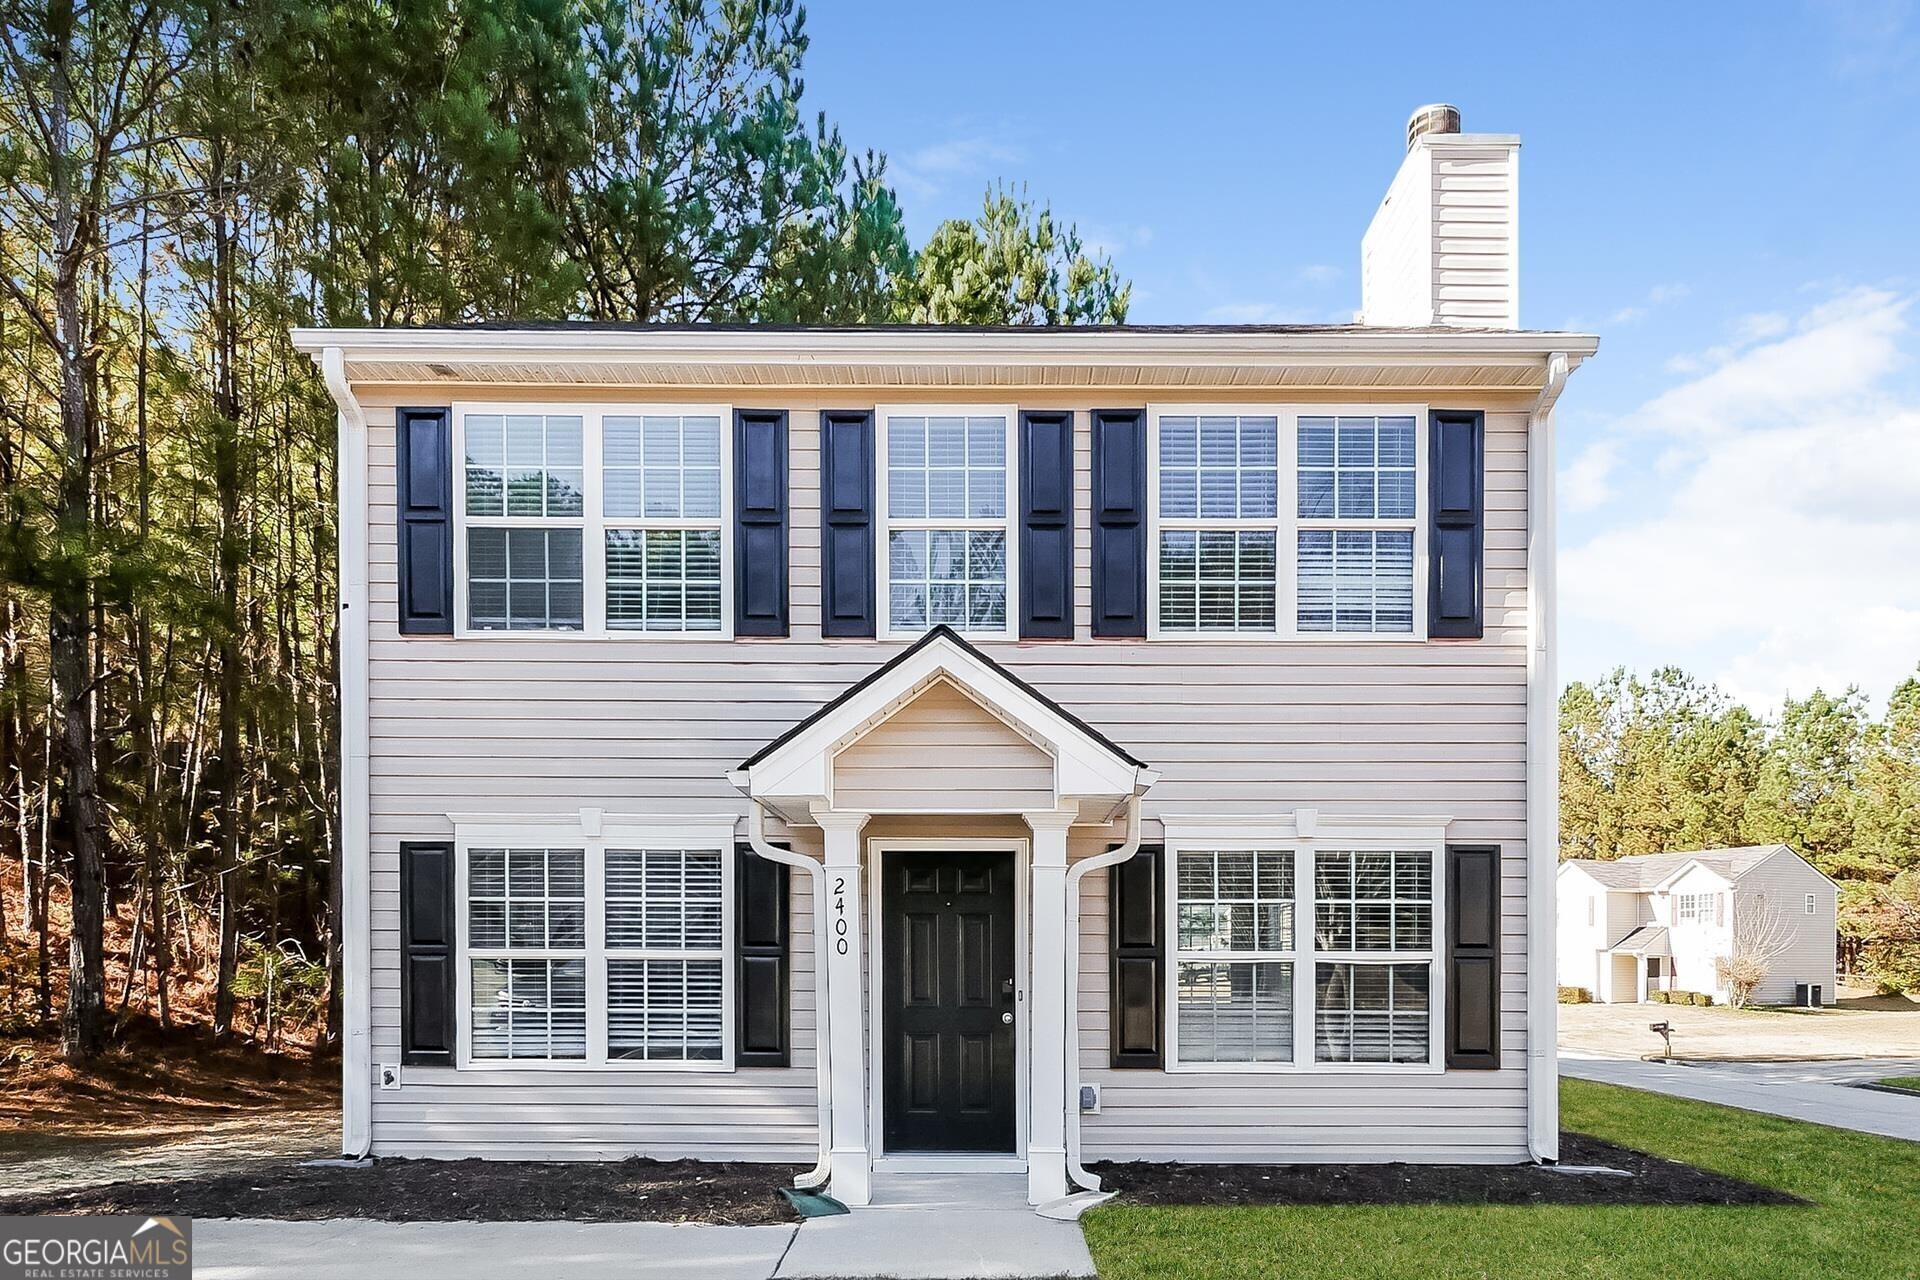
1903, 1082
1864, 1224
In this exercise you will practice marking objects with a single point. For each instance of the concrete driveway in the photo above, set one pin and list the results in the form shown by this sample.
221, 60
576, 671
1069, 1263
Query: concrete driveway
1822, 1092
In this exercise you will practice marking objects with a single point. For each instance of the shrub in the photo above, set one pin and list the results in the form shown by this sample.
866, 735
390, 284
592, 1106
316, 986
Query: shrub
1701, 998
1741, 974
1575, 995
1660, 997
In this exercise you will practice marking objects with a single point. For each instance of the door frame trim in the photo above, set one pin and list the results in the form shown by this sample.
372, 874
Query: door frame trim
878, 847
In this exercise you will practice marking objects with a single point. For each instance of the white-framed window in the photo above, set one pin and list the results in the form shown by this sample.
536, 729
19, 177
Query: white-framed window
1698, 908
1317, 952
1297, 521
1812, 904
602, 950
946, 539
593, 519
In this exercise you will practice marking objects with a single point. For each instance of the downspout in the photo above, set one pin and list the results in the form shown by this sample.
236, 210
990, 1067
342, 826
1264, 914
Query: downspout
1543, 772
1076, 1173
356, 919
823, 1072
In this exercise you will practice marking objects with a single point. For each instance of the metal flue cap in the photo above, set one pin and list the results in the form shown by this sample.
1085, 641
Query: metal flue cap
1435, 117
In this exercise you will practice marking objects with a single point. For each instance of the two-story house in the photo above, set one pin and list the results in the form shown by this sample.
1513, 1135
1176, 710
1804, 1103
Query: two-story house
1632, 926
953, 748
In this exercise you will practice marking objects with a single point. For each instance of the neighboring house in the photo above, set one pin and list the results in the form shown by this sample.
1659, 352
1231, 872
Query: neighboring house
1660, 921
965, 748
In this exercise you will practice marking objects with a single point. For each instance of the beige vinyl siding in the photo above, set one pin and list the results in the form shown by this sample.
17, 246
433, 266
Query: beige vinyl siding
1475, 254
1786, 879
983, 763
529, 724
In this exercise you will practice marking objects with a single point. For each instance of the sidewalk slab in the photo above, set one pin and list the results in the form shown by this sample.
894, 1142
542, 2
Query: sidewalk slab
1818, 1092
356, 1249
936, 1244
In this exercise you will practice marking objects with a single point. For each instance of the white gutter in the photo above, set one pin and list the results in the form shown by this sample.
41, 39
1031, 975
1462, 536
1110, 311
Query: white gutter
823, 1067
1077, 1173
1543, 772
355, 870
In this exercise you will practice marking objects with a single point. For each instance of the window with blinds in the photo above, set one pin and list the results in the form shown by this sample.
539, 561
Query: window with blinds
1219, 479
661, 500
1373, 946
947, 510
527, 952
525, 508
1234, 955
1356, 479
665, 940
612, 951
1302, 958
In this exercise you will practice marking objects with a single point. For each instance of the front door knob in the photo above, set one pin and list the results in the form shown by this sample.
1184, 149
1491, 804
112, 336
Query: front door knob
1007, 1017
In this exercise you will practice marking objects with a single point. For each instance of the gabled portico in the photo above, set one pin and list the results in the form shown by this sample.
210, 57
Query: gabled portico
944, 732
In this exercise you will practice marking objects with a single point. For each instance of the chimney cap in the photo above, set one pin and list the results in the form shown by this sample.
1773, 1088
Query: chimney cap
1435, 117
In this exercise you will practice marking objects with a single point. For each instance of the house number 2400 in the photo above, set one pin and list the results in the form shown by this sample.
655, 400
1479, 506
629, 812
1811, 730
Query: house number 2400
840, 914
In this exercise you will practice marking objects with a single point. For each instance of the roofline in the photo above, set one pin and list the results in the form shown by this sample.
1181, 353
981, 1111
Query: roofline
940, 632
1064, 345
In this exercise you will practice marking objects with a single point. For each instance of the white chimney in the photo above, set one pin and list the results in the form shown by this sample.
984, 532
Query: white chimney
1444, 246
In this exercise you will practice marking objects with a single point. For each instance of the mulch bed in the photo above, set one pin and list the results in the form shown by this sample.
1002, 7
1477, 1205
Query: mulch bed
1654, 1181
453, 1191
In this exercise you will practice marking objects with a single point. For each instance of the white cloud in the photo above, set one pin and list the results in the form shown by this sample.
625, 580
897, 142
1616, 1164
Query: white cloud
1787, 541
926, 170
1587, 482
1103, 241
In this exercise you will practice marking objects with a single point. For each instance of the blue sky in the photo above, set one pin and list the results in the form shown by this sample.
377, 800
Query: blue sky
1728, 194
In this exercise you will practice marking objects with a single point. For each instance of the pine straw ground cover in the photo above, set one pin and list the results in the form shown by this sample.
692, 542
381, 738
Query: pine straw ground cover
1864, 1195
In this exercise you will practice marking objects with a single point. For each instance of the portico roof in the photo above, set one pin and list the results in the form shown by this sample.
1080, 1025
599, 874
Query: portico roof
796, 767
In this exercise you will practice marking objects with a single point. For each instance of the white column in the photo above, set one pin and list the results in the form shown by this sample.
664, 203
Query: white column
852, 1178
1047, 1046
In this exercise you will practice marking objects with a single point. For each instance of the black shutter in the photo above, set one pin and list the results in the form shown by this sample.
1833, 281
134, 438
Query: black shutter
846, 519
1454, 607
424, 448
1136, 923
427, 985
1473, 957
1120, 522
760, 522
1046, 525
760, 912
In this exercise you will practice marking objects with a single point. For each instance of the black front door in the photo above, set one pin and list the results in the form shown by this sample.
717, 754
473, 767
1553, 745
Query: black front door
948, 1001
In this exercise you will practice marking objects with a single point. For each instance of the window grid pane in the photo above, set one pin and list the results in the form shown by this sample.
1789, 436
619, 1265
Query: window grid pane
665, 1008
524, 579
532, 900
1235, 1012
524, 465
952, 576
663, 579
1371, 1012
1235, 900
1373, 901
661, 467
1229, 903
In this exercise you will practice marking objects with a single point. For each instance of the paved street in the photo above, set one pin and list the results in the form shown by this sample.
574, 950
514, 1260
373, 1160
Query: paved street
1816, 1091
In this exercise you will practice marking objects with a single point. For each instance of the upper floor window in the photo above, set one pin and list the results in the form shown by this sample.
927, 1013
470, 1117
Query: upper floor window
1294, 522
946, 509
525, 497
594, 519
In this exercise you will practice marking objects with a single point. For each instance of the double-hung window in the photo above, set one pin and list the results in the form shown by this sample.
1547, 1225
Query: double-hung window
1219, 484
525, 504
527, 952
1292, 522
947, 550
603, 950
1358, 500
661, 477
1302, 954
602, 519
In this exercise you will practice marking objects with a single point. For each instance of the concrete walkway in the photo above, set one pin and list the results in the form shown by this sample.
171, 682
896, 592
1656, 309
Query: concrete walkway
919, 1227
1817, 1091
